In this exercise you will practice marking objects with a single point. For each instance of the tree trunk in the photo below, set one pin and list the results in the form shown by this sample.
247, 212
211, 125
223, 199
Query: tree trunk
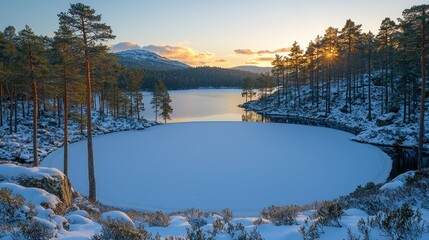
369, 86
1, 104
15, 112
35, 110
66, 137
11, 110
91, 172
422, 95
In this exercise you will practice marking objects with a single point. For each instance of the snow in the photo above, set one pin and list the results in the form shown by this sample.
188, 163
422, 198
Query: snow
32, 196
151, 59
117, 216
398, 181
216, 165
12, 171
398, 133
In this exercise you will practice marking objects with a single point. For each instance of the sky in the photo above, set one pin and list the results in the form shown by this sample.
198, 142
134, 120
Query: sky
222, 33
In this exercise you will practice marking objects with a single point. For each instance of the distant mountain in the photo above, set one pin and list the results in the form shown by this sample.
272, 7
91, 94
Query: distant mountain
148, 60
253, 69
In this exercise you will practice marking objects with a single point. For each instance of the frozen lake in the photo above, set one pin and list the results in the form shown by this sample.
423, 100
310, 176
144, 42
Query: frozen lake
201, 105
216, 165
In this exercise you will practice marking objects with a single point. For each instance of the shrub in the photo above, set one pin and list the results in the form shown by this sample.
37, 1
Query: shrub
253, 235
310, 232
282, 215
364, 228
195, 217
351, 236
227, 215
196, 233
365, 198
114, 229
157, 219
258, 221
403, 223
37, 230
217, 227
329, 213
10, 206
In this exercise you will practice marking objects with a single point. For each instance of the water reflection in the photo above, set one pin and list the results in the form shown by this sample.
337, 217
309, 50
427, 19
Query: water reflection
204, 105
251, 116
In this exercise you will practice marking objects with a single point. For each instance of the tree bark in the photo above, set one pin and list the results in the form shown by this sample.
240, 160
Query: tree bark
66, 138
422, 95
35, 111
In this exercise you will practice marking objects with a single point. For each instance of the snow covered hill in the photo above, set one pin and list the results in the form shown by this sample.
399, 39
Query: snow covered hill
148, 60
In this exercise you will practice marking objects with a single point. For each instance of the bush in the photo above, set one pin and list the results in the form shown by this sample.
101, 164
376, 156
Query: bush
403, 223
196, 233
37, 230
157, 219
10, 206
195, 217
310, 232
364, 228
282, 215
217, 227
329, 213
114, 229
227, 215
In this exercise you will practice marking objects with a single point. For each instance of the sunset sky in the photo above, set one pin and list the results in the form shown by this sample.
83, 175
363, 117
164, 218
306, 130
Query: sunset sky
221, 33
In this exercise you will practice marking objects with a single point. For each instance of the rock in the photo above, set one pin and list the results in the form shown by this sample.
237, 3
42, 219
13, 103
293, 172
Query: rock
385, 119
49, 179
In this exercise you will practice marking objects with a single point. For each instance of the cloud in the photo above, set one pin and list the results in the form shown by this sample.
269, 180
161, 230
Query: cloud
220, 61
182, 53
260, 52
122, 46
244, 51
264, 59
251, 63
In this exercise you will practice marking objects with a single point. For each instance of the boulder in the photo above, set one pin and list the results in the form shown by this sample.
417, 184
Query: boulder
49, 179
385, 119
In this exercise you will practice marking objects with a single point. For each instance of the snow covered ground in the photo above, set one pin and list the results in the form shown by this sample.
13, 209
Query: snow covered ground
394, 132
216, 165
19, 146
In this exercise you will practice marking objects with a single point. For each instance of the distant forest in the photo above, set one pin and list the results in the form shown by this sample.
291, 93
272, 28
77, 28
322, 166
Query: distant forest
199, 77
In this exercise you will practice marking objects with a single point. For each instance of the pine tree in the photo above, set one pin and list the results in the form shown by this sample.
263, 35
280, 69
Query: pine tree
248, 89
89, 31
330, 52
65, 68
165, 101
296, 60
416, 20
277, 69
385, 37
31, 48
349, 38
156, 100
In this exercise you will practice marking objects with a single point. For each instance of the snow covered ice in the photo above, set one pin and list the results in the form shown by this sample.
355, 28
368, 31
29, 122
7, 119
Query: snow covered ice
216, 165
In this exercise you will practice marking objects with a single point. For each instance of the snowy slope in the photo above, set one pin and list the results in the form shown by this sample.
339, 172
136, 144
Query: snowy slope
216, 165
148, 60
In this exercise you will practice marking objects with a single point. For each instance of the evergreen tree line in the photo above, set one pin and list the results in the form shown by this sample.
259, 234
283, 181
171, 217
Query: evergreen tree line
198, 77
67, 76
348, 62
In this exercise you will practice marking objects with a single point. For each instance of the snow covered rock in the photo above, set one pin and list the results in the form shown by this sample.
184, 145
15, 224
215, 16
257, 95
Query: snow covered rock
385, 119
49, 179
117, 216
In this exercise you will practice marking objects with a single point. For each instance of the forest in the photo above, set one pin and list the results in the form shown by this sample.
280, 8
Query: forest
198, 77
348, 61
